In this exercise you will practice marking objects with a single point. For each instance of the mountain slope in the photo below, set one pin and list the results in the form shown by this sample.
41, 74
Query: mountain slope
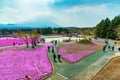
32, 23
39, 23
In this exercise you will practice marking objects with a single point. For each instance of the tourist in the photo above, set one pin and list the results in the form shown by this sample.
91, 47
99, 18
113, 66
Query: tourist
53, 50
13, 43
59, 58
48, 48
55, 42
112, 48
118, 49
27, 77
109, 47
54, 57
106, 41
104, 47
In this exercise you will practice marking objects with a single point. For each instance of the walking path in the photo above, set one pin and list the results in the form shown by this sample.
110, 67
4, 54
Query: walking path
86, 69
89, 72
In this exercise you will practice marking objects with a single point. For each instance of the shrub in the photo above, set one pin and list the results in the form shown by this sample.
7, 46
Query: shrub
67, 40
84, 41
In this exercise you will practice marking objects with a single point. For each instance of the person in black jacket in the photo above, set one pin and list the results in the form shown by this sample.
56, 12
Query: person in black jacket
48, 48
53, 50
112, 48
104, 47
54, 58
59, 58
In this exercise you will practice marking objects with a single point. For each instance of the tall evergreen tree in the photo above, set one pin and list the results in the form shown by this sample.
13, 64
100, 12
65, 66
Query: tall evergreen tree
106, 28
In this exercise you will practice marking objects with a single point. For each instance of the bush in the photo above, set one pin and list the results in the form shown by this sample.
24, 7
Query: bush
84, 41
66, 40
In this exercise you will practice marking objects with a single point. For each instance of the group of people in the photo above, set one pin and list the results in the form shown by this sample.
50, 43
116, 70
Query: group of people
25, 78
55, 57
108, 46
15, 43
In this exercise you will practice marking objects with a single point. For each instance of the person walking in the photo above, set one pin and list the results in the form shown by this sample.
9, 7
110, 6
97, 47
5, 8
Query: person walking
53, 50
54, 58
104, 47
48, 48
106, 41
59, 56
112, 48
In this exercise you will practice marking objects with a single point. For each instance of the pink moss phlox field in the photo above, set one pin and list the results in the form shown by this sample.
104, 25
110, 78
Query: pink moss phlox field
74, 57
95, 42
10, 41
15, 63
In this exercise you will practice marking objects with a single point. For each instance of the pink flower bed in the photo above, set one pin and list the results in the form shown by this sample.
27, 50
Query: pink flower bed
9, 42
16, 63
74, 57
95, 42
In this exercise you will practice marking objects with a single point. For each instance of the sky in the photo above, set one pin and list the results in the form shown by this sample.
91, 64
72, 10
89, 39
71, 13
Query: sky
67, 13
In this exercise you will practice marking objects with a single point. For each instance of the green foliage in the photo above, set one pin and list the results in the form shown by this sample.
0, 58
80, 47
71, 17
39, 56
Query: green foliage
44, 31
66, 40
61, 30
84, 41
107, 28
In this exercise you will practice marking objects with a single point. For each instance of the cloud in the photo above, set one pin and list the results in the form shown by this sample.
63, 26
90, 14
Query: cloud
24, 10
87, 15
78, 15
100, 9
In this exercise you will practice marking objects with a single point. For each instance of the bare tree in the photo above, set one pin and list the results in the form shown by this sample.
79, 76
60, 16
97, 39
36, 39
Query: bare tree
30, 38
34, 38
24, 36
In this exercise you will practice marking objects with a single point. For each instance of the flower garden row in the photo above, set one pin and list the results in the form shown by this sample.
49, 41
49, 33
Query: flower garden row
15, 63
73, 52
18, 41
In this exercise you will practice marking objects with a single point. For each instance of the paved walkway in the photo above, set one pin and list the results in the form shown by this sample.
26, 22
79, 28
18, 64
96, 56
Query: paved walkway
86, 69
89, 72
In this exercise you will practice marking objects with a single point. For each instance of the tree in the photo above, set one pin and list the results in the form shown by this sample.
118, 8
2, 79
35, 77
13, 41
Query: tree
31, 37
46, 31
100, 29
34, 36
118, 31
104, 29
24, 36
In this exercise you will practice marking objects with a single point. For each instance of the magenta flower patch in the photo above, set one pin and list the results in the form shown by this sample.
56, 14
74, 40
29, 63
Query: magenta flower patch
74, 57
16, 63
10, 41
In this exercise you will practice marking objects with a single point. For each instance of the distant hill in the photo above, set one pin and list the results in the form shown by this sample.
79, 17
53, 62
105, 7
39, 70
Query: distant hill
39, 23
32, 23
